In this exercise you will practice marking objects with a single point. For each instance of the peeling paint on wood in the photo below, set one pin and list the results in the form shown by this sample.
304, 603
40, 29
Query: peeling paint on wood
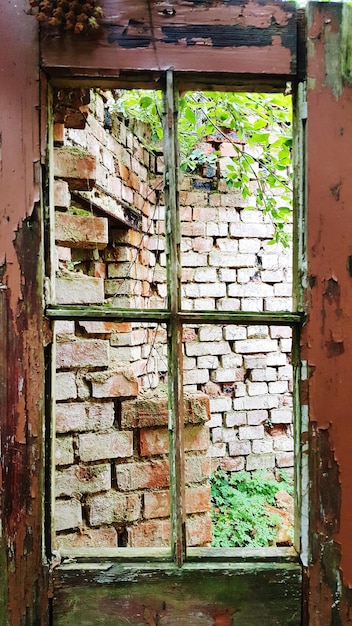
21, 321
327, 336
248, 37
201, 595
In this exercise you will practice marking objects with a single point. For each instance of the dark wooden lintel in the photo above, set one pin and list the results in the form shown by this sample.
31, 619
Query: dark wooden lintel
247, 39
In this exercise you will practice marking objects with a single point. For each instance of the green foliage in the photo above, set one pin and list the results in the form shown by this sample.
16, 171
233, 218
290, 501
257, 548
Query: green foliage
239, 516
259, 126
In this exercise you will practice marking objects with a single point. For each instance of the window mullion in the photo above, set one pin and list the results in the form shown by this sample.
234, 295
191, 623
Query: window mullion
175, 378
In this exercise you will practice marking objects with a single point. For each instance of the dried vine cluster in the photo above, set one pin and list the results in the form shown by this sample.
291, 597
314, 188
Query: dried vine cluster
79, 16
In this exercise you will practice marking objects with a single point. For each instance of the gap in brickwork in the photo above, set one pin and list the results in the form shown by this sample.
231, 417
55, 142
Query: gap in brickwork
112, 463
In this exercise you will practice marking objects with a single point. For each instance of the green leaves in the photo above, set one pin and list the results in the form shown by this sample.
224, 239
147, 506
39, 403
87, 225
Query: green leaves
239, 516
259, 129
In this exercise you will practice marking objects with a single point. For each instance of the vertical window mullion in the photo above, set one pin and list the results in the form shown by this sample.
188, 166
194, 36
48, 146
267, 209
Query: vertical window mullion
175, 378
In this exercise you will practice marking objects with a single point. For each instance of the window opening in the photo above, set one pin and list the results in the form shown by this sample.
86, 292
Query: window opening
179, 276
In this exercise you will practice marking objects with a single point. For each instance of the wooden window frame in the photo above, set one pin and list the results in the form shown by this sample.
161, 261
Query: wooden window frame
175, 318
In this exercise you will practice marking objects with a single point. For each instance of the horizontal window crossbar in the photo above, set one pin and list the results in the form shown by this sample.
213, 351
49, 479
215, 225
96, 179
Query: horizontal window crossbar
95, 313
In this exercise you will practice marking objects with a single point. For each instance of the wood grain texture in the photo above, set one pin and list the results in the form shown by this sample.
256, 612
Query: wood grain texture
251, 37
21, 319
201, 595
326, 340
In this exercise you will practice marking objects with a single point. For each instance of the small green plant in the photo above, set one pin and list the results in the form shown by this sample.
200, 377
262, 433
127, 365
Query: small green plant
239, 516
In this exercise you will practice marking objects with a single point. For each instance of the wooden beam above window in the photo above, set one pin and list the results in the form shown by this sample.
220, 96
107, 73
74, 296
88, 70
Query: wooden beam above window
251, 38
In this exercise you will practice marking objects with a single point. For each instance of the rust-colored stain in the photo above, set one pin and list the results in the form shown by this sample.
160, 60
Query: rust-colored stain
21, 570
328, 335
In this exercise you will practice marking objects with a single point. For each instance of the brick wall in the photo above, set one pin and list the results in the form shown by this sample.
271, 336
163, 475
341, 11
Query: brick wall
111, 446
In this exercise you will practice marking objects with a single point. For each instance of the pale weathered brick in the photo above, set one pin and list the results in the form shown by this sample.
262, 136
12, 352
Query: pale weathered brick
210, 333
63, 450
219, 258
255, 402
65, 386
77, 167
257, 417
251, 432
80, 231
281, 416
252, 346
235, 418
68, 514
285, 459
156, 504
197, 468
79, 479
99, 446
198, 530
82, 353
260, 461
79, 290
283, 444
203, 349
113, 508
257, 389
62, 196
113, 384
262, 446
239, 448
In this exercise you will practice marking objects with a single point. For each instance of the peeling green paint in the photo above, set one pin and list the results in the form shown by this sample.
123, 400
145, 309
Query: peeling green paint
332, 53
3, 585
346, 43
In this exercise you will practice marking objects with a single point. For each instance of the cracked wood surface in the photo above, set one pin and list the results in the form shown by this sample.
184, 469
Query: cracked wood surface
251, 37
21, 391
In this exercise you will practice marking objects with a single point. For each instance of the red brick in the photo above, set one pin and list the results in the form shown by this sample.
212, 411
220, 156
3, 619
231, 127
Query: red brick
58, 133
88, 538
230, 464
81, 231
198, 530
198, 499
196, 438
197, 407
147, 475
197, 468
151, 410
127, 236
154, 441
150, 534
144, 412
113, 384
189, 334
99, 446
82, 353
105, 328
98, 270
156, 504
77, 167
